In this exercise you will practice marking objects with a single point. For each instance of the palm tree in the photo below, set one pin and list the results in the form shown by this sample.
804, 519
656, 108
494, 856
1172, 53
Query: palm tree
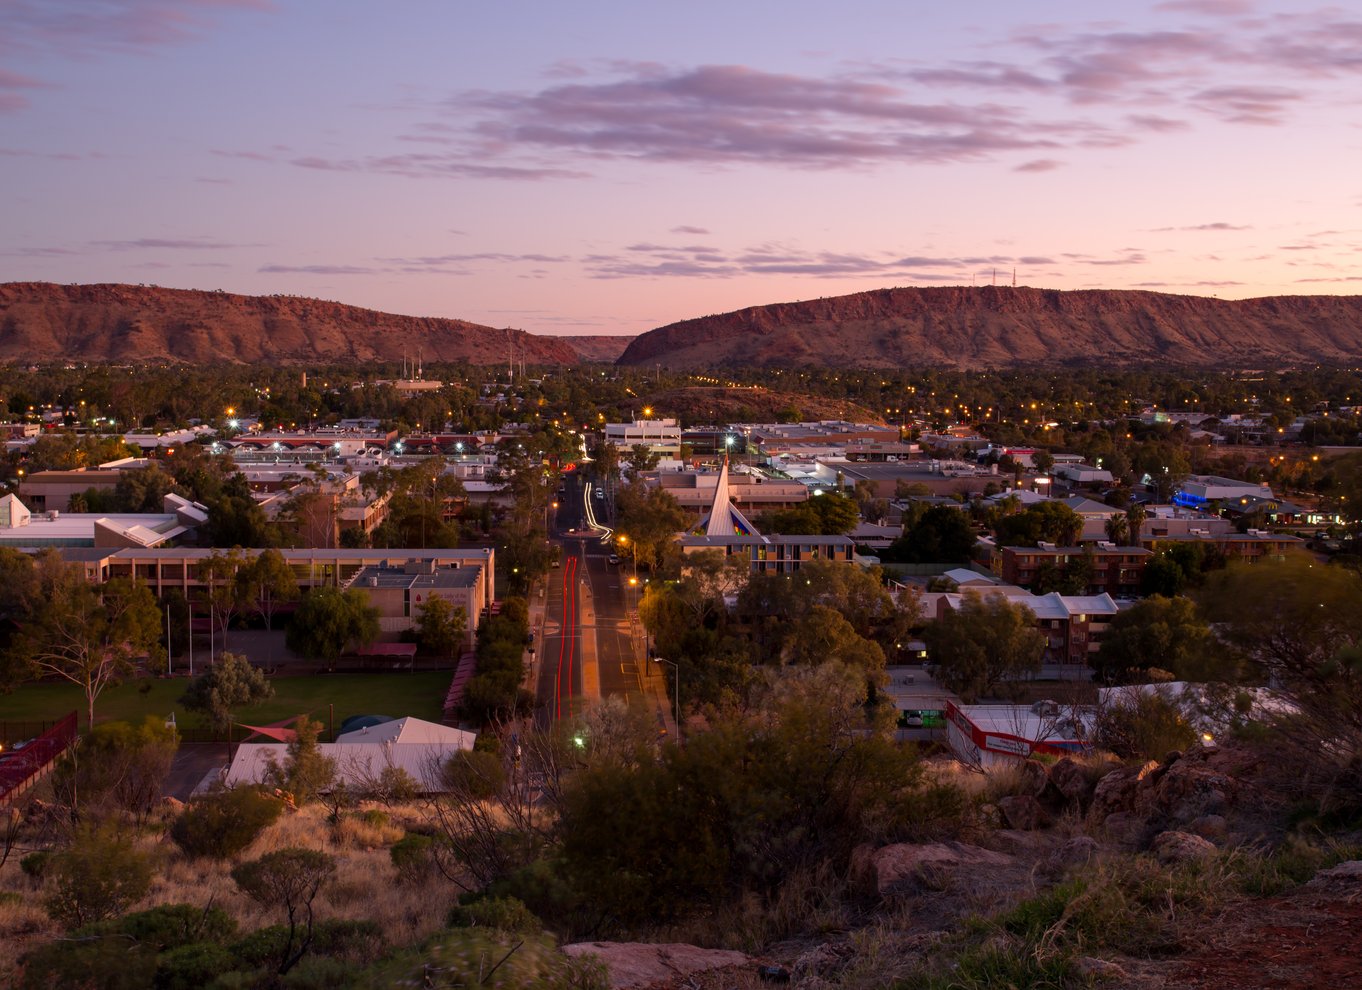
1135, 519
1118, 529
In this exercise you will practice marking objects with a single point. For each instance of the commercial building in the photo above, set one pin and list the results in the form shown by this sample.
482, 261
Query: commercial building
995, 735
661, 436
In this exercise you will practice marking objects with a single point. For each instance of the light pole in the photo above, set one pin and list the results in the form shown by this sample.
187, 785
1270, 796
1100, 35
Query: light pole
677, 692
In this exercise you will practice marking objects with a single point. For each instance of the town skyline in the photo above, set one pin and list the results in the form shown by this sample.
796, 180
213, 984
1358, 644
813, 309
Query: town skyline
591, 171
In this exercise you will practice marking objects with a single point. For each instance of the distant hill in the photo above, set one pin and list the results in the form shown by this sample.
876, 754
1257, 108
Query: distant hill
599, 349
40, 321
992, 327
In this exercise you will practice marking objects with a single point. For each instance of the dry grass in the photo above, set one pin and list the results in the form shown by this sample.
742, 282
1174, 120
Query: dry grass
365, 884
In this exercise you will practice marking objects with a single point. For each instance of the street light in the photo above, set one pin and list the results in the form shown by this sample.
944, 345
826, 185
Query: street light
677, 693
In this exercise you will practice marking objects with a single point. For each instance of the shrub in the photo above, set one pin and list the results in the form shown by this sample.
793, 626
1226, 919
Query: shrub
505, 914
191, 967
173, 925
413, 858
34, 865
223, 824
374, 817
474, 775
1146, 727
356, 941
98, 876
104, 963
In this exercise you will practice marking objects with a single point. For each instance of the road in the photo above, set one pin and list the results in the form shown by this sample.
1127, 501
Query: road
587, 648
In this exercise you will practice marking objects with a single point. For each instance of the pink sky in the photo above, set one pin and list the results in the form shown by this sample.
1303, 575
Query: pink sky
609, 168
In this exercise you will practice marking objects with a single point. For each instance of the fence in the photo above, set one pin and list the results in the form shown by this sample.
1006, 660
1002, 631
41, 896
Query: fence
21, 768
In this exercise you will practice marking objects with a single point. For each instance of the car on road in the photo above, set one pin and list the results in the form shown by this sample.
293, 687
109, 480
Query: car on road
599, 493
614, 558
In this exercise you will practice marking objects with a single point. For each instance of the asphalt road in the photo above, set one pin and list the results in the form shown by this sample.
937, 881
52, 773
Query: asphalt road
586, 596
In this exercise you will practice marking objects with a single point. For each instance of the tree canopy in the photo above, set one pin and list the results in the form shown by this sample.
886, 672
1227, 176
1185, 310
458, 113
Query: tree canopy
984, 642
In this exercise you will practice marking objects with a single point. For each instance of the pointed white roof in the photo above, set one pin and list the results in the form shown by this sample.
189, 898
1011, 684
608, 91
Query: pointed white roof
724, 519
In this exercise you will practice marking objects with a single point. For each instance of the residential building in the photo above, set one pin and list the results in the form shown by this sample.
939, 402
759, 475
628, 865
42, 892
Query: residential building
1116, 571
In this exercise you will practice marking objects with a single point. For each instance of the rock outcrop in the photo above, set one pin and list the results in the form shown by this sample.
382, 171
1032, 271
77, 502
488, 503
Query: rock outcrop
993, 327
126, 324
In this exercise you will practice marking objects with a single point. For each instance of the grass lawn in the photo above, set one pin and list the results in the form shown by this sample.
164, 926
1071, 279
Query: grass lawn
421, 694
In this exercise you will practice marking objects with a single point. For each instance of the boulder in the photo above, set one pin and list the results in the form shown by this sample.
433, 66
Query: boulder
891, 867
1211, 827
1180, 847
639, 964
1097, 970
1116, 791
1189, 789
1032, 777
1078, 851
1024, 845
1126, 828
1071, 781
1023, 811
1346, 875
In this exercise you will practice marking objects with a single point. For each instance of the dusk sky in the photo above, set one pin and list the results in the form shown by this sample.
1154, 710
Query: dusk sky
610, 167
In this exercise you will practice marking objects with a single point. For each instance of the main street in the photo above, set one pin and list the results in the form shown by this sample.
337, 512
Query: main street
591, 644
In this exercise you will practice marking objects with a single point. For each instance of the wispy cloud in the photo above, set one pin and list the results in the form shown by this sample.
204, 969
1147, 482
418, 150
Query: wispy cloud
1218, 225
691, 261
169, 244
434, 166
686, 229
318, 270
1039, 165
86, 28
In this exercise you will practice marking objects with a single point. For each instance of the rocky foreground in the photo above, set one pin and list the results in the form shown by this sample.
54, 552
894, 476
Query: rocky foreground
1190, 832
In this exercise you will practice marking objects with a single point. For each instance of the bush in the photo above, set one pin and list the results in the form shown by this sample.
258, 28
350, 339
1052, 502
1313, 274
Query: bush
413, 857
475, 776
173, 925
98, 876
502, 913
104, 963
1147, 727
357, 942
34, 865
191, 967
223, 824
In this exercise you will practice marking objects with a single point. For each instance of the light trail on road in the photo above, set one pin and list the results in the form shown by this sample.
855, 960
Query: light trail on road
567, 637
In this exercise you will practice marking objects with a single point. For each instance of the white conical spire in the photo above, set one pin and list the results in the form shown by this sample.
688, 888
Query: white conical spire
724, 519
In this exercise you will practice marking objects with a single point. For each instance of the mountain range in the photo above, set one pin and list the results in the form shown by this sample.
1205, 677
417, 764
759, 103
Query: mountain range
955, 327
993, 327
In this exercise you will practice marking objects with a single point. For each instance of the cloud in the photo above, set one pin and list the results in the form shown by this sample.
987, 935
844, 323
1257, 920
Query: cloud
1248, 104
428, 166
39, 29
732, 114
663, 261
1155, 123
168, 244
446, 259
318, 270
684, 229
1127, 256
84, 27
1215, 8
1038, 165
1219, 225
